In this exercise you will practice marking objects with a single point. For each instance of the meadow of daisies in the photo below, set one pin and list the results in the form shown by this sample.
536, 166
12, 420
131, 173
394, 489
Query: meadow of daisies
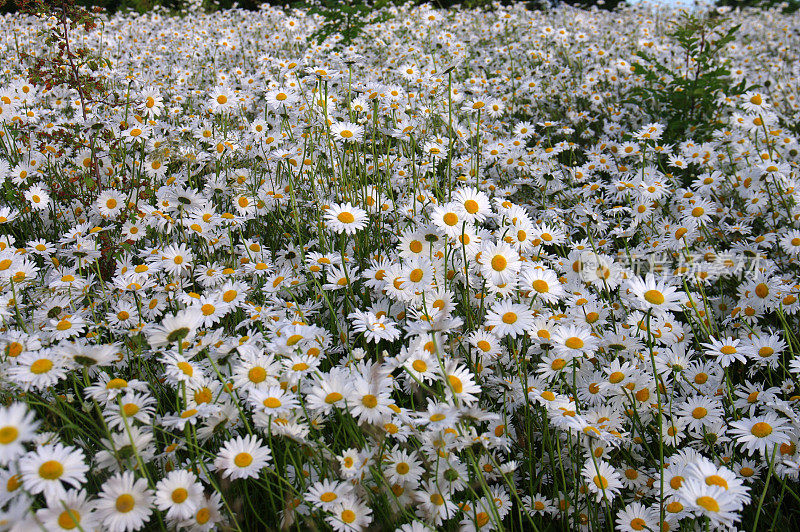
454, 274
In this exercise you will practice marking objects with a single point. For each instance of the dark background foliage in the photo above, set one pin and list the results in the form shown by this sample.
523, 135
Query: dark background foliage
142, 6
146, 5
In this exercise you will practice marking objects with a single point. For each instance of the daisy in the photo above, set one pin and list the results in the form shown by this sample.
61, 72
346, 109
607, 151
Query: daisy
447, 218
761, 433
699, 411
435, 505
369, 402
47, 468
347, 132
133, 406
178, 494
222, 99
328, 392
38, 369
543, 284
37, 197
636, 517
176, 259
110, 203
179, 369
725, 351
507, 318
574, 341
67, 326
602, 479
326, 493
17, 426
207, 515
174, 329
350, 514
420, 365
242, 457
125, 503
709, 500
475, 205
766, 349
403, 467
654, 295
500, 263
790, 242
273, 400
70, 512
461, 384
345, 218
374, 328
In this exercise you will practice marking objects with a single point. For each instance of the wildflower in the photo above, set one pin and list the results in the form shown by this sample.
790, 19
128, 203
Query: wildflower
500, 263
349, 514
125, 503
242, 457
761, 433
602, 479
47, 468
178, 494
72, 511
345, 218
507, 318
175, 329
17, 426
709, 500
38, 198
347, 132
654, 295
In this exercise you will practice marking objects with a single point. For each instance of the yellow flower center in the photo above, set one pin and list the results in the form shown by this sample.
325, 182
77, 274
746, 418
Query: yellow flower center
346, 217
125, 503
455, 383
540, 286
761, 429
708, 503
272, 402
328, 496
654, 297
333, 397
179, 495
43, 365
499, 263
450, 218
369, 400
243, 459
509, 318
51, 470
203, 515
8, 434
573, 342
69, 519
257, 374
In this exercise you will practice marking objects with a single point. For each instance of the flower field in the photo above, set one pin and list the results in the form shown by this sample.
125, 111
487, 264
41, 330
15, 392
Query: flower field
458, 270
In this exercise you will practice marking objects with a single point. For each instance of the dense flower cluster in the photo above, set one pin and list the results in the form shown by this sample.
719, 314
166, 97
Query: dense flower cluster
448, 275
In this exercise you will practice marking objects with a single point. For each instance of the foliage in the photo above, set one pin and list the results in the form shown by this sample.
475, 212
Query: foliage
686, 97
346, 18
